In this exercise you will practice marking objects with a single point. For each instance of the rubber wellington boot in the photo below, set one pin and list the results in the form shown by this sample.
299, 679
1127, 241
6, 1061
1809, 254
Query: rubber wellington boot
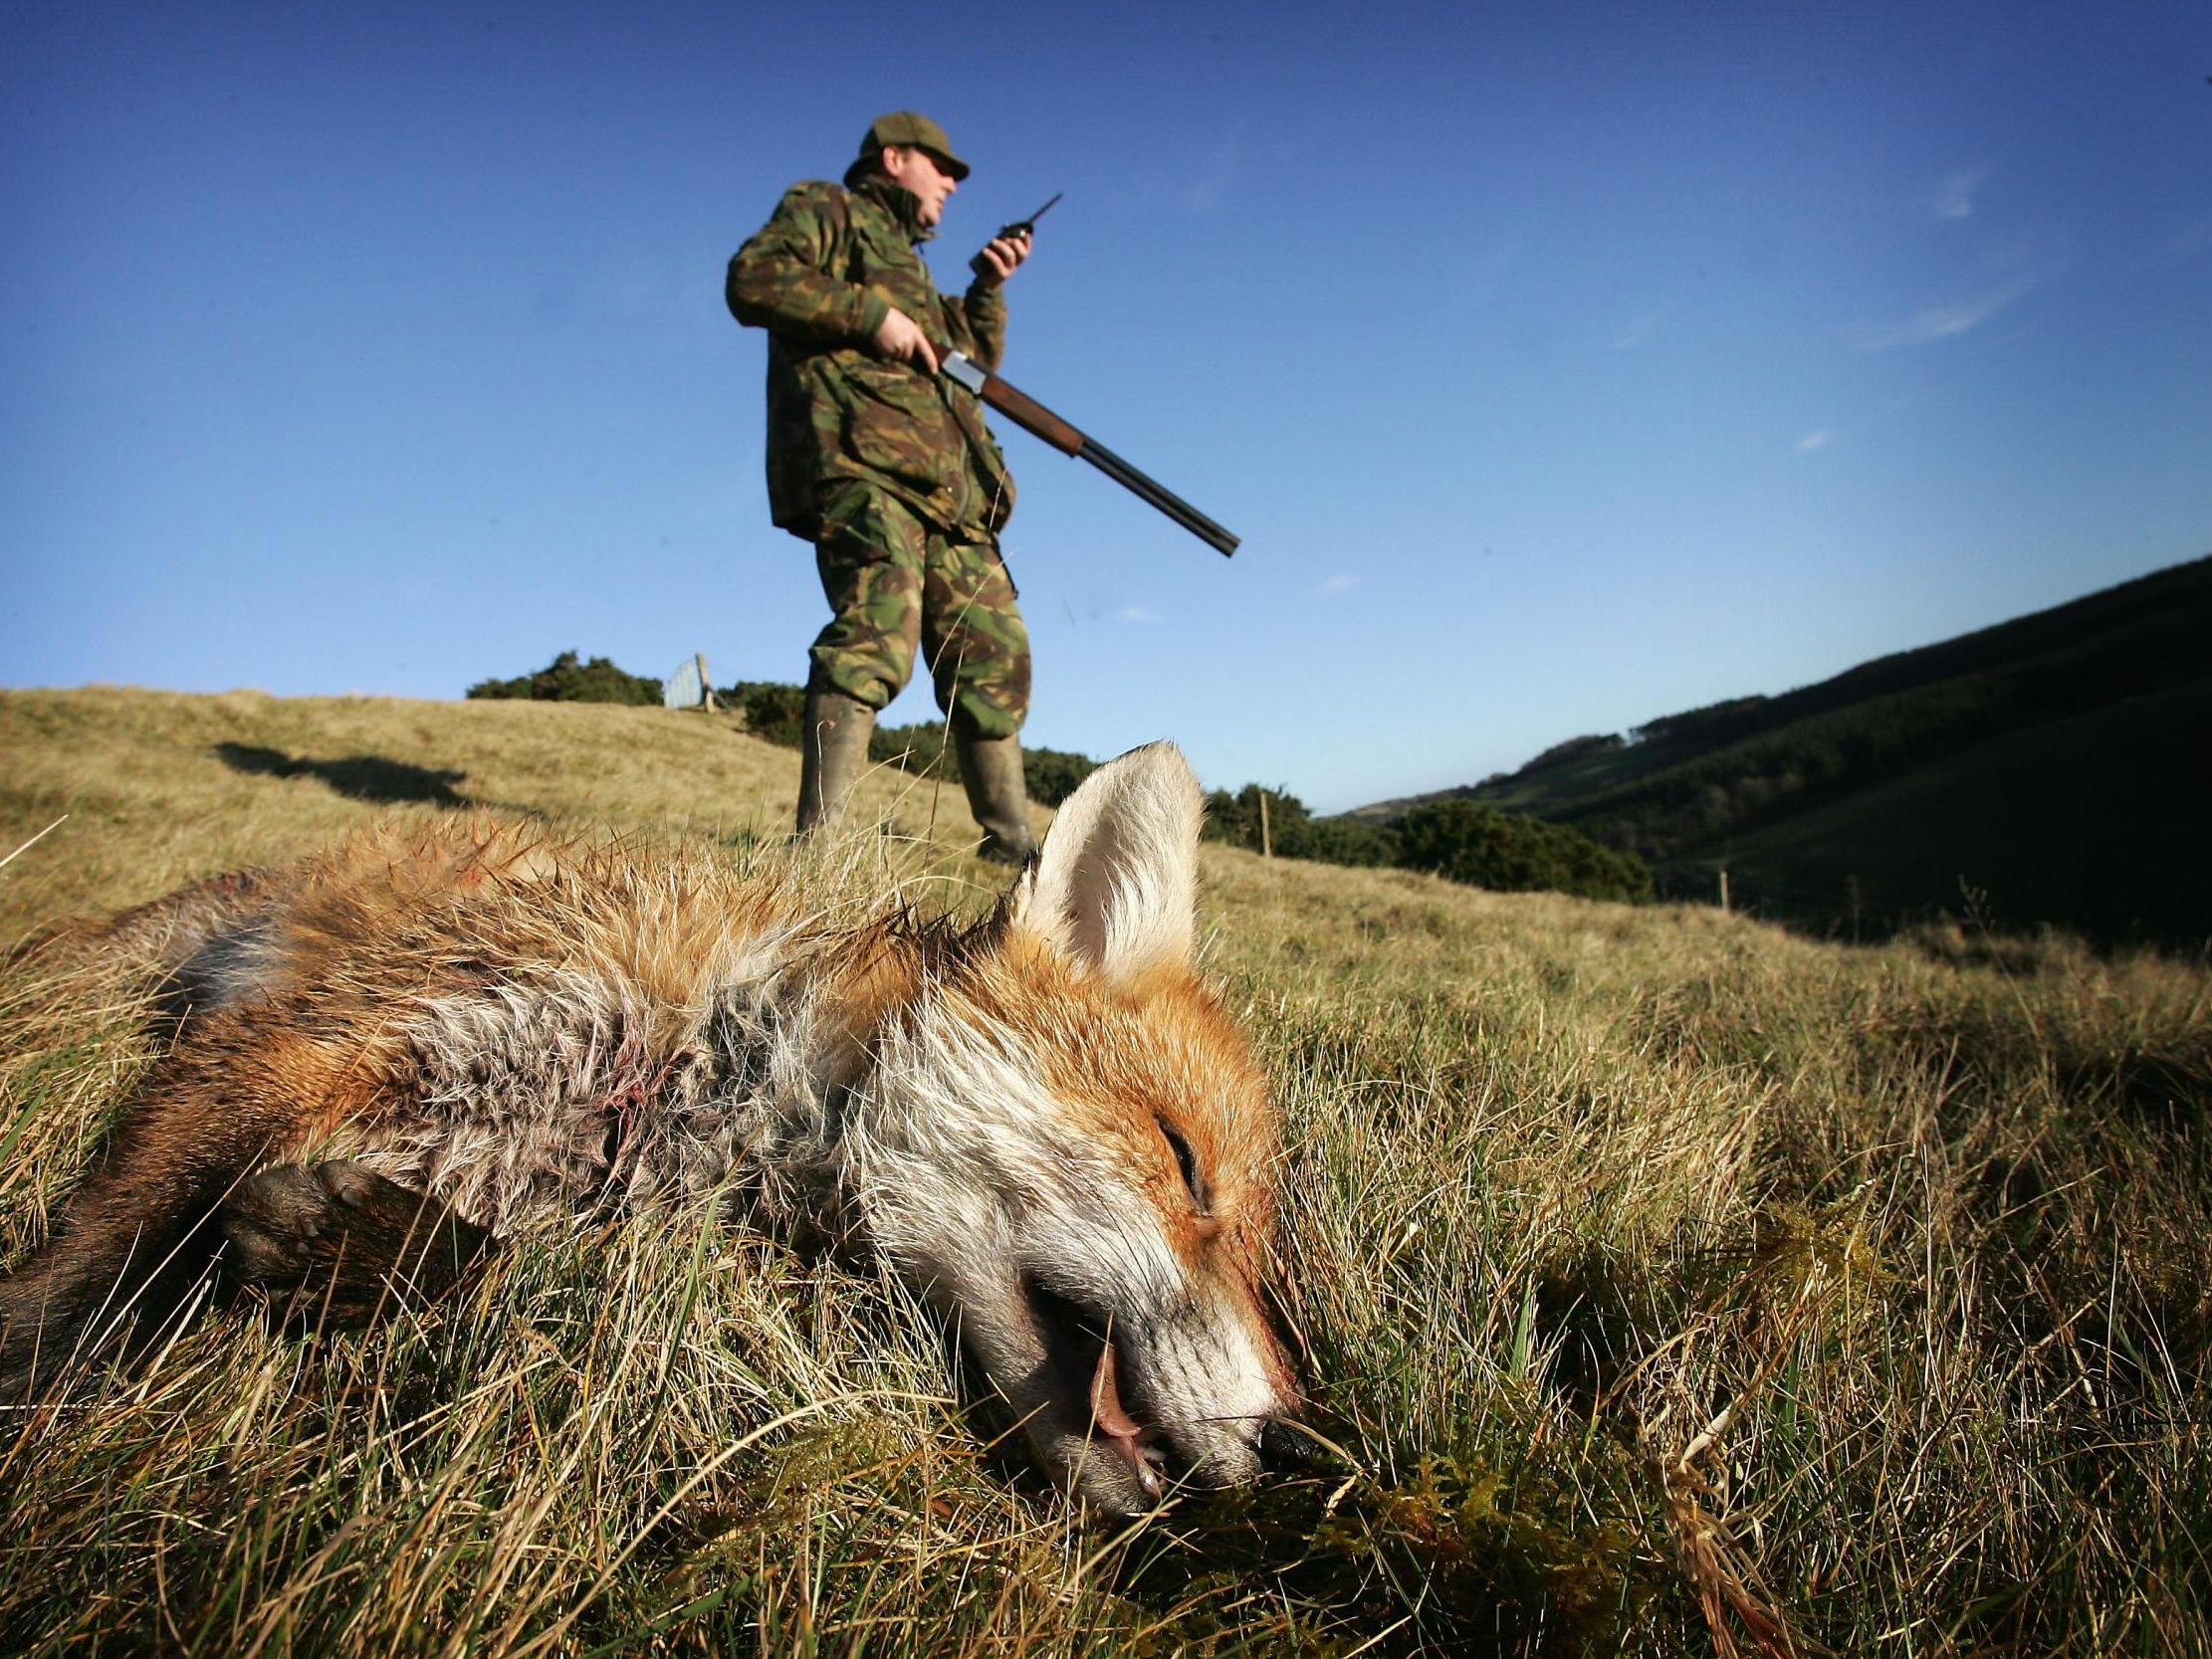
990, 767
832, 753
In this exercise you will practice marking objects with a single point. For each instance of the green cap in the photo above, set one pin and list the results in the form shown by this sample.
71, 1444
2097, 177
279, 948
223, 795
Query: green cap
914, 131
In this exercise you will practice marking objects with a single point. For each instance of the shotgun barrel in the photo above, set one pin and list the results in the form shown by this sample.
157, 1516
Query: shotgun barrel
1034, 418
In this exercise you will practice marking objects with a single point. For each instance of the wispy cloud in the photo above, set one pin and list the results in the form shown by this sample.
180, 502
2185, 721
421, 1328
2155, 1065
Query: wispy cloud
1640, 330
1814, 440
1134, 613
1204, 193
1955, 192
1336, 584
1940, 322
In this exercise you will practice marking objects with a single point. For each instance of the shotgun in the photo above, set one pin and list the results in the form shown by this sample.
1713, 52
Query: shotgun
1034, 418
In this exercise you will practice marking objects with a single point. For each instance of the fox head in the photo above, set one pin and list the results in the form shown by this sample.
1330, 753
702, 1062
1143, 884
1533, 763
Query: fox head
1068, 1143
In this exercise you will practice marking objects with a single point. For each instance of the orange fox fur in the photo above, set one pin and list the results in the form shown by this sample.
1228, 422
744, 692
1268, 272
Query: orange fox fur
1047, 1122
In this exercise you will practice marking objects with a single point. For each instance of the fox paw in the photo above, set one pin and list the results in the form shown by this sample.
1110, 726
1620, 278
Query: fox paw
273, 1220
341, 1239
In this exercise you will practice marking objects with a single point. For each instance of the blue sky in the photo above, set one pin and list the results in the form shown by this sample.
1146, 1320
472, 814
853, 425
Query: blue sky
1561, 364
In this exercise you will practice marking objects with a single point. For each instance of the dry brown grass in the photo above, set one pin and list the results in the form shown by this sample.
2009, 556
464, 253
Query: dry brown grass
161, 788
1673, 1283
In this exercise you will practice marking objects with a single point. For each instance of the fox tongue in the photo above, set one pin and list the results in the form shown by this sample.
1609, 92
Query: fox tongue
1106, 1406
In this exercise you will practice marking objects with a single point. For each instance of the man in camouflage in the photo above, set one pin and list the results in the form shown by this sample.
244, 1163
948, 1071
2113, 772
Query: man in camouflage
888, 469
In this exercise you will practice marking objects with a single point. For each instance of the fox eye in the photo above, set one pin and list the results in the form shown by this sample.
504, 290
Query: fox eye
1186, 1161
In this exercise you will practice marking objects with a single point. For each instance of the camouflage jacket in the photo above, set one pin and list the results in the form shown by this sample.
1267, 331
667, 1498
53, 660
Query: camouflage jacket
821, 276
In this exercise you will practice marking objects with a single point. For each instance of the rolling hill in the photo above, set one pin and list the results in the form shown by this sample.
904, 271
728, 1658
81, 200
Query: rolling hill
2048, 770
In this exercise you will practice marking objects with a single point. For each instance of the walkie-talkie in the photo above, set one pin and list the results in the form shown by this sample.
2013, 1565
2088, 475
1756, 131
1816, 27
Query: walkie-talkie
1023, 227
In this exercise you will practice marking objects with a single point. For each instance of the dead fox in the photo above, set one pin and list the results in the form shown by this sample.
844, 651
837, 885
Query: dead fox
1047, 1122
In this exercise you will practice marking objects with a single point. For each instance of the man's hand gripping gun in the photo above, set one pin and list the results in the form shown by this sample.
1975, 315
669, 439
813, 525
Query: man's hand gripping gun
1033, 417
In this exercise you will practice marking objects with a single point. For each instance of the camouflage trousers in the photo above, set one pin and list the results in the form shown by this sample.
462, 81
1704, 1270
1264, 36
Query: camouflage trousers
896, 582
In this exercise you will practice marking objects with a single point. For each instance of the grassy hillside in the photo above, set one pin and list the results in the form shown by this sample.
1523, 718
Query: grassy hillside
1673, 1284
161, 788
2114, 854
2105, 698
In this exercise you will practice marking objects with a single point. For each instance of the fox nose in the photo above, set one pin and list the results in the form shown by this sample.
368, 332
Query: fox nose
1284, 1446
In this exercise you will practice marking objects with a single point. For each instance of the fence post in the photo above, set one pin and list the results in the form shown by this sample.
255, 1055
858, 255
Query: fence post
1267, 842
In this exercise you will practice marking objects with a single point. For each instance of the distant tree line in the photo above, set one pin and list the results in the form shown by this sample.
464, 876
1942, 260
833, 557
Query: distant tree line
1736, 767
1574, 748
1460, 839
567, 679
2112, 686
1705, 727
1292, 831
1463, 840
771, 708
1819, 757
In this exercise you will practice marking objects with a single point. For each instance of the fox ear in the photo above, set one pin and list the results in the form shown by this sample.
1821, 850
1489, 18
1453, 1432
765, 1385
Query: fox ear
1115, 886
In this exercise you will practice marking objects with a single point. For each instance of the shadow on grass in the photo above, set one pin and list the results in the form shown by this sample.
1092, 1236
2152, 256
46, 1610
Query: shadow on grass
365, 777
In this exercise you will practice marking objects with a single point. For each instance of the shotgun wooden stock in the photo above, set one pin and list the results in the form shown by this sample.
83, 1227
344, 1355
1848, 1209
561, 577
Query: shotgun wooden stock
1031, 415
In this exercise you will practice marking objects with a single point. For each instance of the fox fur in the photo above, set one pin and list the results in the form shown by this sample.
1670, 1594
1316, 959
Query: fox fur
1047, 1122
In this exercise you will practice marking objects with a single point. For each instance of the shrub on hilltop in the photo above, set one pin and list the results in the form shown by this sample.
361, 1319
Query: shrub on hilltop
919, 748
1053, 773
567, 680
1237, 818
1347, 840
1292, 831
1509, 853
771, 708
